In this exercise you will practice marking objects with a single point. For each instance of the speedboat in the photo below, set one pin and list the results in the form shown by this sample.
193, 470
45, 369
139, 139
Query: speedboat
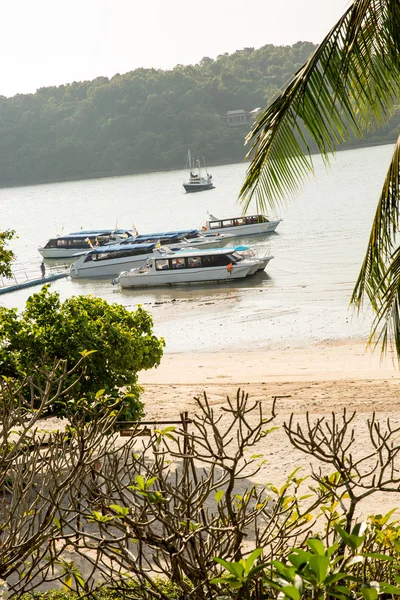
240, 226
189, 266
68, 246
199, 178
109, 261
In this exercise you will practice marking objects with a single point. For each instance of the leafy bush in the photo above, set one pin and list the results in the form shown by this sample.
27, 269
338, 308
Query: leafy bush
6, 255
121, 344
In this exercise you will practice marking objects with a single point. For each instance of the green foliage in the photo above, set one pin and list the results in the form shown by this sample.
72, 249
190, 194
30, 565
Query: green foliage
6, 255
313, 571
143, 120
117, 344
131, 590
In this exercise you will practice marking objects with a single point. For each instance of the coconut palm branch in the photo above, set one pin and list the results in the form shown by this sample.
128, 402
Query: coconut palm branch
348, 86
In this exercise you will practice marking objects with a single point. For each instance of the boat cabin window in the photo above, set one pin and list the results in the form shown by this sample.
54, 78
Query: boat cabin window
240, 221
218, 260
162, 264
256, 219
178, 263
51, 244
228, 223
194, 261
215, 225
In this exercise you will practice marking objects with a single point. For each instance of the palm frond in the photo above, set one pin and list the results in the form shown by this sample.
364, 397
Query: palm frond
386, 326
378, 268
347, 87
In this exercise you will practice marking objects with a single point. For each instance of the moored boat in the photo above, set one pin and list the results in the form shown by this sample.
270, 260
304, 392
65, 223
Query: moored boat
199, 178
187, 267
67, 246
240, 226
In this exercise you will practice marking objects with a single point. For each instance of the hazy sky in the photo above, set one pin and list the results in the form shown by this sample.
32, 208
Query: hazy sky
49, 42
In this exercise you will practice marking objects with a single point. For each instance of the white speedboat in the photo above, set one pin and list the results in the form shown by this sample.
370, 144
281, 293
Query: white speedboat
189, 266
109, 261
67, 246
240, 226
199, 178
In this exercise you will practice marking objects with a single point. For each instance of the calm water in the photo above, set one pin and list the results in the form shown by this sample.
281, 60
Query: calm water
302, 297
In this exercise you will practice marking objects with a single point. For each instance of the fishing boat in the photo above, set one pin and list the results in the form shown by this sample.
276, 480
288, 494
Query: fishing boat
240, 226
68, 246
199, 178
108, 261
187, 267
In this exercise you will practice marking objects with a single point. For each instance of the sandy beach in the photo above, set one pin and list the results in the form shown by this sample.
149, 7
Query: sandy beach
323, 377
320, 379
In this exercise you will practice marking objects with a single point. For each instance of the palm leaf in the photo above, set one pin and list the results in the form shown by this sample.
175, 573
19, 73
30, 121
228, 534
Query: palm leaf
386, 326
347, 87
376, 272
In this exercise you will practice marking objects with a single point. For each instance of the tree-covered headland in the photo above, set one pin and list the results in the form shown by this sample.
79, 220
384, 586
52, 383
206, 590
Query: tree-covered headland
144, 120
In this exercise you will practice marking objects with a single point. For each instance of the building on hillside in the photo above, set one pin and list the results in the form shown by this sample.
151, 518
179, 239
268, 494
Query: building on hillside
240, 117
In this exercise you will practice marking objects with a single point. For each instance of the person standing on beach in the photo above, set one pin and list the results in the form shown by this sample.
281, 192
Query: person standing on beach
43, 270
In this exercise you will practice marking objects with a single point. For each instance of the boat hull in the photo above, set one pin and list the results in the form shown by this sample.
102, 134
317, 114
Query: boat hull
183, 277
61, 253
197, 187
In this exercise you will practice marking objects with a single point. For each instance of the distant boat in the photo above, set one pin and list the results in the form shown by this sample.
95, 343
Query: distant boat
199, 178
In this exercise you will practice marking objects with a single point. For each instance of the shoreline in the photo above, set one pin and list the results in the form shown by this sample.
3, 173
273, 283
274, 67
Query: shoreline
328, 361
320, 379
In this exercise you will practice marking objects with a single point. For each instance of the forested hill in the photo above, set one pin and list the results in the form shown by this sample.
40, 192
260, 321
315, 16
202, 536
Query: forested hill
144, 120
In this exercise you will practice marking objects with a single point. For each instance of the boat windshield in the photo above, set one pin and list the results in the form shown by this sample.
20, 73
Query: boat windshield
236, 256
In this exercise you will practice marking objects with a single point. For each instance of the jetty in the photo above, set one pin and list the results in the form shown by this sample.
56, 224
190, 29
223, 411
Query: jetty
12, 285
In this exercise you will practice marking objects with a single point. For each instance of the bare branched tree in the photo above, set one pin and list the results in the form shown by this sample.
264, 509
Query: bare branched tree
38, 469
168, 505
354, 474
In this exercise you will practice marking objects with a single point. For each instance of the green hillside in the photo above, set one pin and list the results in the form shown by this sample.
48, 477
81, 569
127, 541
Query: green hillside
144, 120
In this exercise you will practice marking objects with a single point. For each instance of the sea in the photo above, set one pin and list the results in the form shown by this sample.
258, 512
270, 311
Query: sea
303, 296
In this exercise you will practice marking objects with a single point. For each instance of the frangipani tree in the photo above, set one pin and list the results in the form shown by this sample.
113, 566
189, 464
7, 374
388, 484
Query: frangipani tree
350, 85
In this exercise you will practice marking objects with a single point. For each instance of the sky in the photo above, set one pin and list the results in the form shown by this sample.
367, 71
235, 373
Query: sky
48, 42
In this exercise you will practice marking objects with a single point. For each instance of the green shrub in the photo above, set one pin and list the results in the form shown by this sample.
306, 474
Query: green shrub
121, 344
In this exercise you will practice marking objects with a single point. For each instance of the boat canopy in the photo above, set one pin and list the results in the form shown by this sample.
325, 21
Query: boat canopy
198, 251
117, 248
161, 234
100, 232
